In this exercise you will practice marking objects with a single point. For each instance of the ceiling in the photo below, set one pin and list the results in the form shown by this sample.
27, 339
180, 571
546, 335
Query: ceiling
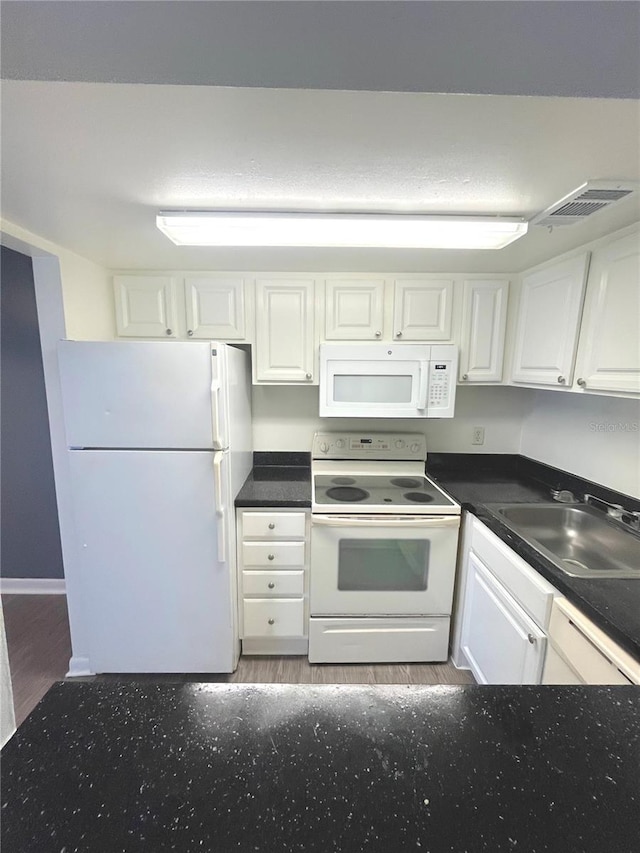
87, 164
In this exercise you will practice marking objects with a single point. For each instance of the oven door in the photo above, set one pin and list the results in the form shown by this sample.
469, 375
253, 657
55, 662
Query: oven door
382, 565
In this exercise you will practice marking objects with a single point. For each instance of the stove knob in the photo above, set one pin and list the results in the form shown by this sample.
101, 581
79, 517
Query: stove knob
399, 444
340, 442
414, 448
324, 447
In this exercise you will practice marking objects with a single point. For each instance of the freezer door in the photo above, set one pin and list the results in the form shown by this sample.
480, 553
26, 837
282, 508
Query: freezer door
157, 557
146, 394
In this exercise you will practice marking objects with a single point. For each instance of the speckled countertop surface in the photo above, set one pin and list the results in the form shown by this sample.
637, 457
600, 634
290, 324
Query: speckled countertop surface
102, 767
612, 604
277, 479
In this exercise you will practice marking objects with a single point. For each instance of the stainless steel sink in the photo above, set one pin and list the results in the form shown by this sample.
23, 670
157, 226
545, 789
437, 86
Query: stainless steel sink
578, 539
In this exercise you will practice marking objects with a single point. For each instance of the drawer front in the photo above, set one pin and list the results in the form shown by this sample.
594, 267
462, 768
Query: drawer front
273, 525
270, 554
531, 590
363, 640
595, 657
274, 617
273, 584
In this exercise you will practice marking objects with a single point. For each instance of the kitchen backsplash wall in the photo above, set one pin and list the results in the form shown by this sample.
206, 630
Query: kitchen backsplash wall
285, 418
595, 437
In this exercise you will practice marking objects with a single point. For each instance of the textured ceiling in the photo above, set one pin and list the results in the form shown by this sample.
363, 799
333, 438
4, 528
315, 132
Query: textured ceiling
567, 48
89, 165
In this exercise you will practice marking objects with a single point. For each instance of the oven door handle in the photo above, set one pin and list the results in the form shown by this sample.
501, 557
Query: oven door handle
386, 520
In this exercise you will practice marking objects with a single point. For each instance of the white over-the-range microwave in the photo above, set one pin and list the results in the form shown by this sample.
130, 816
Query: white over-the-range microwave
388, 380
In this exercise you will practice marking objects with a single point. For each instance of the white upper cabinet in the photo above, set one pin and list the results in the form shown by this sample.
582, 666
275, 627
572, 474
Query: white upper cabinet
354, 309
548, 322
422, 309
286, 345
145, 306
484, 319
215, 307
609, 354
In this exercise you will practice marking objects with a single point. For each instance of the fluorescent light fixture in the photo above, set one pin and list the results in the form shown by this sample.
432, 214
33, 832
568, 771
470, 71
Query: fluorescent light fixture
362, 230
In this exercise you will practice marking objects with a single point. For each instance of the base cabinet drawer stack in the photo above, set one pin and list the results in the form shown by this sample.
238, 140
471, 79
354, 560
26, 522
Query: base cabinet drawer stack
273, 565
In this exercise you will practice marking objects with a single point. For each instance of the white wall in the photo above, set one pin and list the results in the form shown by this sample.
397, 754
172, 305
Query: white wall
86, 287
285, 418
595, 437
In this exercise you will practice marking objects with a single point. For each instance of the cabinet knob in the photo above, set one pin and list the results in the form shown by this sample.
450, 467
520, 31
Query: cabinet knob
531, 638
271, 621
398, 334
308, 376
465, 375
271, 585
271, 557
271, 525
582, 382
168, 332
378, 334
561, 380
190, 332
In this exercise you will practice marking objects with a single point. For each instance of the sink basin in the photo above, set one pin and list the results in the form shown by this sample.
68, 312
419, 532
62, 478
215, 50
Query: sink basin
578, 539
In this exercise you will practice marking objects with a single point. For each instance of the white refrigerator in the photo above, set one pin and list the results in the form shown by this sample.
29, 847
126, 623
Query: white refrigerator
159, 437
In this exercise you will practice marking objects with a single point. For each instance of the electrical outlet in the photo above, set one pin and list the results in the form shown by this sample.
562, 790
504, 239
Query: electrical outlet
478, 435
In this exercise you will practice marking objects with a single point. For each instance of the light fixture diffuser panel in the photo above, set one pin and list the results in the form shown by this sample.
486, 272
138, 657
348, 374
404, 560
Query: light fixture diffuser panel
341, 230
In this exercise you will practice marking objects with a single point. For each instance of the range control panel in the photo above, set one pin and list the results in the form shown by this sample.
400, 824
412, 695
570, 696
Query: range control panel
409, 446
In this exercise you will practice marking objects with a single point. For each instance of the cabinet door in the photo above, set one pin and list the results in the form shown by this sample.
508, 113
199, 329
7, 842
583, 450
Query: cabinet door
501, 643
484, 318
145, 306
548, 323
610, 342
215, 307
422, 309
354, 309
285, 339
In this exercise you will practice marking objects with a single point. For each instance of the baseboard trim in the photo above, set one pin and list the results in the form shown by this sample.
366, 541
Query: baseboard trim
33, 586
79, 666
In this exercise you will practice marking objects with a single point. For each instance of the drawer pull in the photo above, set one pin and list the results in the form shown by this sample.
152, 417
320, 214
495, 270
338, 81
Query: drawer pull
271, 557
272, 526
271, 621
271, 585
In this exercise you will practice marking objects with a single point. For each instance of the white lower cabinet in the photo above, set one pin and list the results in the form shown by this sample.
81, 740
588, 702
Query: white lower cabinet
501, 643
581, 653
273, 580
502, 613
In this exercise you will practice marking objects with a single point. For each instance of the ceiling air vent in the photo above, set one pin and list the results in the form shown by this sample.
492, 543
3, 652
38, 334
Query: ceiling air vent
585, 201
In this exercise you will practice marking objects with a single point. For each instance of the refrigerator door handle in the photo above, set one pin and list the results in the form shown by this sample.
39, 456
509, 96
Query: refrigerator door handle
217, 477
215, 414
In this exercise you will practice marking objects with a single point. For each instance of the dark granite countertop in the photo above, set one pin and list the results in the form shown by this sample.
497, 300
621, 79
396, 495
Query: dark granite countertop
103, 767
612, 604
277, 479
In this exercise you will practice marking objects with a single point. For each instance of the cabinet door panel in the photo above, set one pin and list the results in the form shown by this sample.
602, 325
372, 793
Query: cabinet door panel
548, 322
611, 339
215, 307
354, 309
145, 306
502, 644
422, 309
284, 331
484, 318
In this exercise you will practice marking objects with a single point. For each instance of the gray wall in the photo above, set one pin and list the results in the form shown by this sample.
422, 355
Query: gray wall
30, 537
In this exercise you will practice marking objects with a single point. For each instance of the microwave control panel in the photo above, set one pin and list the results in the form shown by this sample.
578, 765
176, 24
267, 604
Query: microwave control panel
439, 385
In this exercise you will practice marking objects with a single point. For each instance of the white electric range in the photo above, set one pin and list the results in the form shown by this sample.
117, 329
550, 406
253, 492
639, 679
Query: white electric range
384, 540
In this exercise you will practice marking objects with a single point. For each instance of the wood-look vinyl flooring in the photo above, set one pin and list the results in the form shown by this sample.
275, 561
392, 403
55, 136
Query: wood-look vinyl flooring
37, 629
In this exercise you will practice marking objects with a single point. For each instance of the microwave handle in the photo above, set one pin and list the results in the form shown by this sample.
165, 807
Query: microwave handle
423, 387
386, 521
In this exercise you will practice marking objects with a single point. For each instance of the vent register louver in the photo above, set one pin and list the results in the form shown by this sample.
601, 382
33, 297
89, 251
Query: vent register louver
585, 201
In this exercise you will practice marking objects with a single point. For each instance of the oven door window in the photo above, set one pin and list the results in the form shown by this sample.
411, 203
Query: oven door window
379, 565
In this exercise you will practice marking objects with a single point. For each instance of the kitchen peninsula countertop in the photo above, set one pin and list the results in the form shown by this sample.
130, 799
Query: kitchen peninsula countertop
101, 767
477, 480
